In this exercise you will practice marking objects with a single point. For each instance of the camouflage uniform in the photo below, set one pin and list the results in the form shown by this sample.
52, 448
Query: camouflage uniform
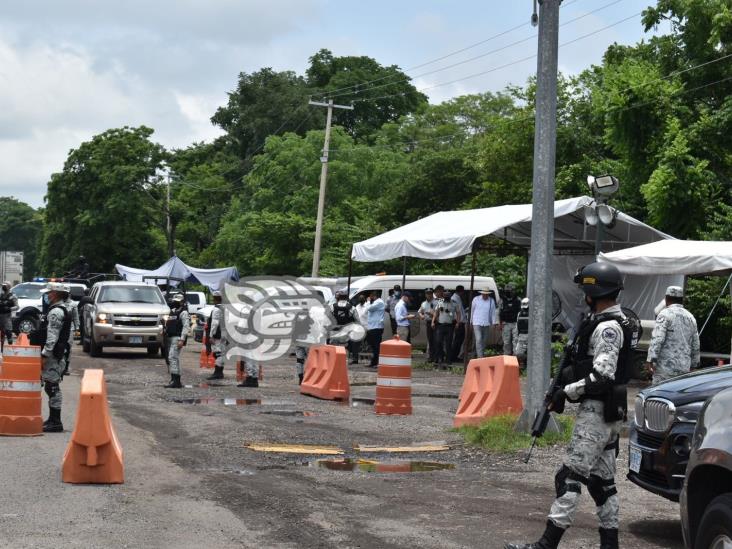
301, 355
173, 349
522, 327
674, 347
592, 451
8, 302
53, 367
218, 345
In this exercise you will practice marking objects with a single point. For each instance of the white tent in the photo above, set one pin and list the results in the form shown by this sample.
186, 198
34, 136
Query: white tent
446, 235
174, 267
679, 257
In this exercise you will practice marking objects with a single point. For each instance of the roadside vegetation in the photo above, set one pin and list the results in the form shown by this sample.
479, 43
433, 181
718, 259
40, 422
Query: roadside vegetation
498, 434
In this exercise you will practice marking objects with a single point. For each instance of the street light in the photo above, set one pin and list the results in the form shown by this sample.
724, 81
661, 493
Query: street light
599, 214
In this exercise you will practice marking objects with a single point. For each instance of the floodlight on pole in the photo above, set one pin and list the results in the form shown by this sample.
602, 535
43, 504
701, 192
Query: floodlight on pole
599, 214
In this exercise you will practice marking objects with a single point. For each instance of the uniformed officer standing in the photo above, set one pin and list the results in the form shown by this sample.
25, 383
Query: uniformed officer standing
595, 377
426, 309
74, 312
58, 324
177, 328
522, 328
443, 322
8, 304
674, 348
215, 337
510, 307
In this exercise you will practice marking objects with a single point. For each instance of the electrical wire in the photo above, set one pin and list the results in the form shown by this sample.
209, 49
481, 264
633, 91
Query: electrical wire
500, 67
334, 93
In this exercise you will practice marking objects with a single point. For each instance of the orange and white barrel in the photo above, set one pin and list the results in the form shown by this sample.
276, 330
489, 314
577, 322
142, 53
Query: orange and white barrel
20, 391
394, 378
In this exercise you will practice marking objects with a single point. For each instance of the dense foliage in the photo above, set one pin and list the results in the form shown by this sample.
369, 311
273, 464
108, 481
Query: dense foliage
657, 114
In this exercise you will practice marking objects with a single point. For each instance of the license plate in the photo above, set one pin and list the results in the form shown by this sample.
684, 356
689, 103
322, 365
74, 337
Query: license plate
634, 463
135, 339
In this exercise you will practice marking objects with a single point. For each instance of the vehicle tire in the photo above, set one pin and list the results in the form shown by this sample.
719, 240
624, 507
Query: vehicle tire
28, 324
715, 529
95, 349
152, 350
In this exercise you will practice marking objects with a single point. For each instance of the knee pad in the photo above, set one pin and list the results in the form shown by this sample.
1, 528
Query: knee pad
601, 489
614, 446
562, 486
51, 389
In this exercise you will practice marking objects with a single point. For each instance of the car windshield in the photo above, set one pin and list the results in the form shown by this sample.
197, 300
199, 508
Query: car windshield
28, 291
131, 294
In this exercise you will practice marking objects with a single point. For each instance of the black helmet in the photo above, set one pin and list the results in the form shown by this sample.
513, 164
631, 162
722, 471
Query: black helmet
599, 279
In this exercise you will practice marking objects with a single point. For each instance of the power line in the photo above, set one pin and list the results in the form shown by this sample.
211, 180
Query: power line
464, 49
505, 65
618, 109
332, 94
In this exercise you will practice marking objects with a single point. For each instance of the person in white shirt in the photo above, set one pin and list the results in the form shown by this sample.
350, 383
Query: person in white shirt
426, 309
403, 317
482, 317
458, 336
362, 312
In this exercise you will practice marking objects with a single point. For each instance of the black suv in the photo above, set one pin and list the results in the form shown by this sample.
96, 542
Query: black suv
706, 500
660, 437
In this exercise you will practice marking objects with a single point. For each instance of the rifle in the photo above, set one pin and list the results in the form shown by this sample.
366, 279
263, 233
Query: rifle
542, 416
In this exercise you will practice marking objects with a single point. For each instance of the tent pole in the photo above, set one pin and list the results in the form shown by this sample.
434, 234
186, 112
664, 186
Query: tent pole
404, 273
350, 272
469, 323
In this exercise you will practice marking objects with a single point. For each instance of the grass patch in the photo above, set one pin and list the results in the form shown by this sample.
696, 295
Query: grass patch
497, 434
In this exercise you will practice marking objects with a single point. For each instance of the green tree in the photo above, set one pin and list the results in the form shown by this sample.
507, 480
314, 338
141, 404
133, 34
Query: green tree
106, 204
20, 229
379, 94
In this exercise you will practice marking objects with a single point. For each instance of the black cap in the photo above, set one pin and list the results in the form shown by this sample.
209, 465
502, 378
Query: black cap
428, 290
407, 294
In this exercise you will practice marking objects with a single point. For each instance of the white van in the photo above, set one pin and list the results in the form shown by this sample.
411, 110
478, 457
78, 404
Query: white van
416, 285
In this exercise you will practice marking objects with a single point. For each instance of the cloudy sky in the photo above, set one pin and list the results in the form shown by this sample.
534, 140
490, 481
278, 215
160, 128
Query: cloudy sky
70, 69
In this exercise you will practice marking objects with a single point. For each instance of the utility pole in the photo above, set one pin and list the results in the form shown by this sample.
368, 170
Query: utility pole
542, 215
323, 180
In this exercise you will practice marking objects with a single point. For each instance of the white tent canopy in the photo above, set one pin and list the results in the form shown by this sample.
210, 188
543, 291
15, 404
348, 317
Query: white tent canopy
679, 257
446, 235
174, 267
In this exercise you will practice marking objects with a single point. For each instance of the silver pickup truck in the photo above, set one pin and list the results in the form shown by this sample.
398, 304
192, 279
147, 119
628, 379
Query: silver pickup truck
124, 314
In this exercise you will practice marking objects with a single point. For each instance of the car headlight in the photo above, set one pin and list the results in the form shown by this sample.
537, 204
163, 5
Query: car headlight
104, 318
689, 413
164, 318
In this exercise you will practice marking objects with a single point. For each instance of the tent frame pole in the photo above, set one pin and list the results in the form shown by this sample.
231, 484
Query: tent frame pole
404, 273
469, 323
350, 272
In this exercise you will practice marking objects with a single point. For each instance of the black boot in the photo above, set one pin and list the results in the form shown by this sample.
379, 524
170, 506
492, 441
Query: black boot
53, 423
218, 373
174, 382
550, 540
249, 382
608, 538
299, 377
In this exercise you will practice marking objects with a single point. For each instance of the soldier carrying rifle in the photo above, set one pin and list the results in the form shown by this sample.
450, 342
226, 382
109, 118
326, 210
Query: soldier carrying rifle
593, 374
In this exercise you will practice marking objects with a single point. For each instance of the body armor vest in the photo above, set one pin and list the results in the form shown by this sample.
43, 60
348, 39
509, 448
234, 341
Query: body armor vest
174, 324
6, 303
342, 313
522, 323
40, 336
216, 335
510, 309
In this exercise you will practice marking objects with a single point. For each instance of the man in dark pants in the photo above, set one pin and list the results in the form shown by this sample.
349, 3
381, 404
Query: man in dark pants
460, 317
375, 326
443, 319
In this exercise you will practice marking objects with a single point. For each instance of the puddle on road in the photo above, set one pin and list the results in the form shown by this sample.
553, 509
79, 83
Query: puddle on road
436, 395
370, 466
357, 401
212, 401
289, 413
364, 384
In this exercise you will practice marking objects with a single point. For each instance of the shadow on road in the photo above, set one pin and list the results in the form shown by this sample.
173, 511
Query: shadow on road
657, 530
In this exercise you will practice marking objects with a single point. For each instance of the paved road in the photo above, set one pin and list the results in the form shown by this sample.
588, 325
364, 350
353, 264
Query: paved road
191, 483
